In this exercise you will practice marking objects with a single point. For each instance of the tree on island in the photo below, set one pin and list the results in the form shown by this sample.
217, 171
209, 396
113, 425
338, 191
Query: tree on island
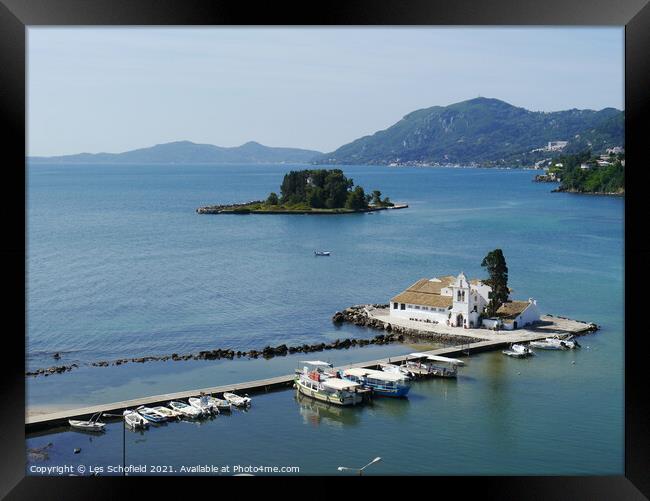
495, 263
273, 199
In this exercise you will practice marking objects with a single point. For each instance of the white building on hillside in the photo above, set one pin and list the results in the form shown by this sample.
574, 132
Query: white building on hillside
458, 302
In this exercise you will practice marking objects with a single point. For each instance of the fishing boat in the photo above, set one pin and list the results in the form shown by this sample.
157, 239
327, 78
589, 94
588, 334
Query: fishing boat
93, 424
203, 405
326, 388
167, 412
519, 351
384, 384
220, 404
151, 415
422, 364
185, 409
322, 253
236, 400
134, 420
554, 343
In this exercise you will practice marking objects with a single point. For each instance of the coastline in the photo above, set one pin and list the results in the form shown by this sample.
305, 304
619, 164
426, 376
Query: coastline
243, 210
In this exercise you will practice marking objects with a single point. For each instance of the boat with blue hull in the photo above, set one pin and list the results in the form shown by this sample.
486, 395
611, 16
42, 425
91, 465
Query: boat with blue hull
382, 384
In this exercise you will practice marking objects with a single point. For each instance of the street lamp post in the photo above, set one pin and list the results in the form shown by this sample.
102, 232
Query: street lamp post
360, 470
123, 440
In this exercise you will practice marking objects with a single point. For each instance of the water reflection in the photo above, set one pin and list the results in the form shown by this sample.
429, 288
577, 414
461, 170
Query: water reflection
315, 412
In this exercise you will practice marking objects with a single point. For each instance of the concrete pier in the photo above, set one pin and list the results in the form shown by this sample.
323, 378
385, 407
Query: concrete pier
550, 326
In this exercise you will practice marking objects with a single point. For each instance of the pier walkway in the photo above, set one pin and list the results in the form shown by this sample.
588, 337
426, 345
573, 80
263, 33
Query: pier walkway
498, 340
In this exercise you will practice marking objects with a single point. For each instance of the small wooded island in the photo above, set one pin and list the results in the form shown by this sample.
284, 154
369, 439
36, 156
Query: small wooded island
320, 191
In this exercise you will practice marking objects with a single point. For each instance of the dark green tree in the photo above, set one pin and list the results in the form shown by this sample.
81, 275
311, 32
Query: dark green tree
273, 199
356, 199
376, 197
495, 263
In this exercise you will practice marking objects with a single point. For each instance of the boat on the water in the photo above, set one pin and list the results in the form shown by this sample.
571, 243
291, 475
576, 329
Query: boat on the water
237, 400
134, 420
519, 351
93, 424
555, 343
384, 384
219, 403
423, 364
322, 253
151, 415
203, 405
397, 369
317, 382
185, 409
167, 412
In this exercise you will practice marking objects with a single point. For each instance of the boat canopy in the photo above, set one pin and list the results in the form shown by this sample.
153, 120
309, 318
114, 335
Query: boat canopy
316, 363
340, 384
385, 376
438, 358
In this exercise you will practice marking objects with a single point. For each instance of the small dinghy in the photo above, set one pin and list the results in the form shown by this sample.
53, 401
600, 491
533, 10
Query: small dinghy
519, 351
167, 412
151, 415
237, 400
322, 253
134, 420
203, 405
222, 405
185, 409
92, 424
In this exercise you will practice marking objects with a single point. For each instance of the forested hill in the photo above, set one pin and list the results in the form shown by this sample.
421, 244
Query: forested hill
482, 131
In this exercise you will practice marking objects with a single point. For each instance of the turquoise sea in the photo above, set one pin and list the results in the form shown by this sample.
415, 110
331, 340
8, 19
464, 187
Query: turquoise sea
120, 265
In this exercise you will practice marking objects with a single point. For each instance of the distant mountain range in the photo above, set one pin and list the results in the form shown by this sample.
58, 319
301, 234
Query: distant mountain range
482, 131
186, 152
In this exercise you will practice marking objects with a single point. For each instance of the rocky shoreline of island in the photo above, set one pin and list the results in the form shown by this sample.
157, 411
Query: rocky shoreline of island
258, 207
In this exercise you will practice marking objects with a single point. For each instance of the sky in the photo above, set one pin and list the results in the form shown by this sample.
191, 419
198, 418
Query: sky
112, 89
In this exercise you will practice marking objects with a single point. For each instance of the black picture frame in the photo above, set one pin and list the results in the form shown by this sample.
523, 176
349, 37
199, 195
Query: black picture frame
16, 15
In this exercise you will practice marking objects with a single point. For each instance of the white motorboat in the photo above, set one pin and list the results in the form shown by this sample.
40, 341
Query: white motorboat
134, 420
92, 424
221, 404
554, 343
322, 253
203, 405
151, 415
423, 364
167, 412
237, 400
397, 369
518, 351
185, 409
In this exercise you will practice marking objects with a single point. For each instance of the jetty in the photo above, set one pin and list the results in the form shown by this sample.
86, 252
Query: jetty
469, 343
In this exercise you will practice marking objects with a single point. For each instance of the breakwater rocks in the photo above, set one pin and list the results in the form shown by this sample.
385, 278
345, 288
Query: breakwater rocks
218, 354
358, 315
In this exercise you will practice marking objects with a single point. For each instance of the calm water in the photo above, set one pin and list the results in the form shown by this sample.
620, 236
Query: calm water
120, 265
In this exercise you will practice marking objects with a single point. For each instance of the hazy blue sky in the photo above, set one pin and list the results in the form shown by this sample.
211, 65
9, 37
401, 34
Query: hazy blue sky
108, 89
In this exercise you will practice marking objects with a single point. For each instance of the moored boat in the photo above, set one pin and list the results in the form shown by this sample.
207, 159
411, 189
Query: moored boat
519, 351
151, 415
220, 404
185, 409
93, 424
554, 343
203, 405
316, 383
423, 364
385, 384
167, 412
134, 420
237, 400
397, 369
322, 253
